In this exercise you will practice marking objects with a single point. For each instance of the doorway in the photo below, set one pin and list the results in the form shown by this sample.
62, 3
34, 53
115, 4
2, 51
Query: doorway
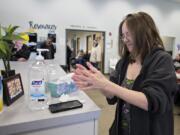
83, 41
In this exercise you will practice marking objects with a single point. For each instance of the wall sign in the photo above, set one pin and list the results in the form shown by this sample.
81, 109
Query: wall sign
82, 27
51, 27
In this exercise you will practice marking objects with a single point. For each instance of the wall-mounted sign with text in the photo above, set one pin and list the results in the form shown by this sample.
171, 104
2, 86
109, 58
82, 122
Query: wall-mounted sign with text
51, 27
82, 27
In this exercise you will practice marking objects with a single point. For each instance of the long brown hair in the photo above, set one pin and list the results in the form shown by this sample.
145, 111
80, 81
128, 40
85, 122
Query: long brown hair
144, 33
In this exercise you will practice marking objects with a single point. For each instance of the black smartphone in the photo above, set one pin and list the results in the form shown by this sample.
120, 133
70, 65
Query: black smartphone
64, 106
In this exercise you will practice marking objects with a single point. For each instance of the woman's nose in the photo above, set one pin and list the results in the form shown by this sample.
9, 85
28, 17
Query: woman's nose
126, 39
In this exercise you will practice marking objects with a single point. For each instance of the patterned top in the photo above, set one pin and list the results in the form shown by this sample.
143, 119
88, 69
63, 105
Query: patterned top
125, 115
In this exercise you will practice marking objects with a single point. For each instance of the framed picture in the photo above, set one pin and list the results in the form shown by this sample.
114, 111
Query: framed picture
13, 88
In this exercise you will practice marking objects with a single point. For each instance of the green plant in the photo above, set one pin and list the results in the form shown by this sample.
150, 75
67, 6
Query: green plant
7, 35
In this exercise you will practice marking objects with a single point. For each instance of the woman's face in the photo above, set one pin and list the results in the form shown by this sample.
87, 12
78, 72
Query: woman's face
127, 37
94, 43
18, 44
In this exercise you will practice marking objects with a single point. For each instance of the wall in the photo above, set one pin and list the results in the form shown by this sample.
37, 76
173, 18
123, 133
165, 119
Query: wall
168, 43
103, 15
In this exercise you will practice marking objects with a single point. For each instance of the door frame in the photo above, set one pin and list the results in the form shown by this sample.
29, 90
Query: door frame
104, 39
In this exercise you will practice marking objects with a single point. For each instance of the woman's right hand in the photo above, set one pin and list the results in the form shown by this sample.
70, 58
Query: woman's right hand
89, 79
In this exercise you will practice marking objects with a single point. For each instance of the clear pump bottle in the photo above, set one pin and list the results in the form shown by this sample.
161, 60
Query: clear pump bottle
38, 97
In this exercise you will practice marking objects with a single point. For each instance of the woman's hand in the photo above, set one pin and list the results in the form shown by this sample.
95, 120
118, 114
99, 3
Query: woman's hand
22, 59
89, 79
177, 57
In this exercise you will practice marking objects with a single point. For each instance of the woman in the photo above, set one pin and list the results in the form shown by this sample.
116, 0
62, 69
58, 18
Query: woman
143, 83
95, 55
80, 58
20, 52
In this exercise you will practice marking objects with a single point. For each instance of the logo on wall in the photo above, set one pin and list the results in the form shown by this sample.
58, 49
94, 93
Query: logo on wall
50, 27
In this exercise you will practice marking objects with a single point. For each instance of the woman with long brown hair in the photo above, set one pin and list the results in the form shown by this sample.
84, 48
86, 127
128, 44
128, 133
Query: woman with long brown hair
143, 83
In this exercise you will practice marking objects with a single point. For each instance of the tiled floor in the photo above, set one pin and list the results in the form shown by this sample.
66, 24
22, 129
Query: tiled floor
107, 113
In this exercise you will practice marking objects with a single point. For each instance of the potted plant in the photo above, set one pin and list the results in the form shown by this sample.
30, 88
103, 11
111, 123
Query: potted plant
7, 35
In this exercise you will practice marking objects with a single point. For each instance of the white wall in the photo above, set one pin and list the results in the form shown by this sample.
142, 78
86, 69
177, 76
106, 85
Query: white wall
103, 15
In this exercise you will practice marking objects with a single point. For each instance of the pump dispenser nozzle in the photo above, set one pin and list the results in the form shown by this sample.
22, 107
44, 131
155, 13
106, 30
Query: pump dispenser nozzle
40, 57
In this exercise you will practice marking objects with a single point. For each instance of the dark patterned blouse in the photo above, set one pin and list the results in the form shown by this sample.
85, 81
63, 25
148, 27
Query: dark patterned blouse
125, 115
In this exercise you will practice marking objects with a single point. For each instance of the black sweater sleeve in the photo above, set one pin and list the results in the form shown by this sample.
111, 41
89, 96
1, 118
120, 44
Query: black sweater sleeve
160, 84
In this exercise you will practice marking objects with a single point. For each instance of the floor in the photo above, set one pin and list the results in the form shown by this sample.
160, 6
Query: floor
107, 113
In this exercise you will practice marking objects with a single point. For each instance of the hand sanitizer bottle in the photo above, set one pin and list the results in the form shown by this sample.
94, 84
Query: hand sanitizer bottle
38, 97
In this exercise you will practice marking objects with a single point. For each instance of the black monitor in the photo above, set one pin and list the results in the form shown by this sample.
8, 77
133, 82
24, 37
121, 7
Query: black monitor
53, 36
32, 37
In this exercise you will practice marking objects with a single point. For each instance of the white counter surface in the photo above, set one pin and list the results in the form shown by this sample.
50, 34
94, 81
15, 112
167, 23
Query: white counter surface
18, 119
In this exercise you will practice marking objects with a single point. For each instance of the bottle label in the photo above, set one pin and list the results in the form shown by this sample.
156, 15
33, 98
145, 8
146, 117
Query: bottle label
37, 90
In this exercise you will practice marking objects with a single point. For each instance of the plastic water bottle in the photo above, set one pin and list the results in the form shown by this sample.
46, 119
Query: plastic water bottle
38, 97
53, 74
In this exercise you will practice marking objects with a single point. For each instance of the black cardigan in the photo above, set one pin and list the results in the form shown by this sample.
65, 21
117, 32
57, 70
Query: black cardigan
157, 80
24, 52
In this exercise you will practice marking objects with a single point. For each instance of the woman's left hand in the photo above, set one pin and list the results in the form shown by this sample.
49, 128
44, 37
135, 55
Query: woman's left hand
89, 79
22, 59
